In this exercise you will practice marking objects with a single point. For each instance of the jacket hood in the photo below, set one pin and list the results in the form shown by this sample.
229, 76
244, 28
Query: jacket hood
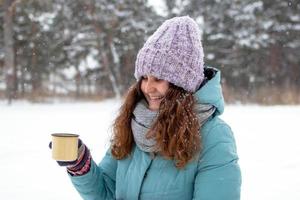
211, 91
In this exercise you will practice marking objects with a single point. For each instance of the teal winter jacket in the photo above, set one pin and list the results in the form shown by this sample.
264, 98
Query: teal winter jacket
214, 175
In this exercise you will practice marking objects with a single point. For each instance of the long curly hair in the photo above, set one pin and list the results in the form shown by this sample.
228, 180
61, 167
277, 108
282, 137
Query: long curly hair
176, 129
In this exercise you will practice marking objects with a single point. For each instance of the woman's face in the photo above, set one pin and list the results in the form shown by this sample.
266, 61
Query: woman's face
154, 90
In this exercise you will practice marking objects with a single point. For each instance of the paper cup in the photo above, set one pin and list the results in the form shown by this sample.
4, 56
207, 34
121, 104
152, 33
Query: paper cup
64, 146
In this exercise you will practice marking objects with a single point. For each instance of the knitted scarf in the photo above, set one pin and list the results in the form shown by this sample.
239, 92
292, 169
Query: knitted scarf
143, 118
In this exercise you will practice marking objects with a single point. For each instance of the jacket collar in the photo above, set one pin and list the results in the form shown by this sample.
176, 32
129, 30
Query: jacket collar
211, 91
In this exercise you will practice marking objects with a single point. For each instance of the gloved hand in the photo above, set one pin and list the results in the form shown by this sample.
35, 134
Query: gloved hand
83, 156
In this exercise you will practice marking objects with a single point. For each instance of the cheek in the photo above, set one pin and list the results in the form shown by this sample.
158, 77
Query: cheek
165, 88
142, 87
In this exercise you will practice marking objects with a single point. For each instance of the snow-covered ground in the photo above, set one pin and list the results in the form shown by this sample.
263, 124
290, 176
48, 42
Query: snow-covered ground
267, 139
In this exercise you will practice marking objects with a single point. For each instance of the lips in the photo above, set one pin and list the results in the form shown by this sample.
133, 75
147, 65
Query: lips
155, 98
154, 101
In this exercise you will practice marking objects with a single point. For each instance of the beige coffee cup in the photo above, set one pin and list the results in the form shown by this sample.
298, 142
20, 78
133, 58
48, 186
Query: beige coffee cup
64, 146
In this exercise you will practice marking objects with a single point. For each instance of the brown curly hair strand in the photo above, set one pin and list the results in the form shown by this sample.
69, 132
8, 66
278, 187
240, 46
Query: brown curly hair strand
176, 129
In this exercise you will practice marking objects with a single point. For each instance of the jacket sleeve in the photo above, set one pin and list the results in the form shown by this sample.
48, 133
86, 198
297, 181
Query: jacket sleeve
218, 176
99, 182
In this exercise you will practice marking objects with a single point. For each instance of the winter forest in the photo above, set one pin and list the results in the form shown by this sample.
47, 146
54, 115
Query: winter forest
86, 49
65, 64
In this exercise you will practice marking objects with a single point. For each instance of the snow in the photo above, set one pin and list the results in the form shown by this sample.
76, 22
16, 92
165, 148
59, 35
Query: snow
88, 63
159, 6
267, 140
217, 36
250, 8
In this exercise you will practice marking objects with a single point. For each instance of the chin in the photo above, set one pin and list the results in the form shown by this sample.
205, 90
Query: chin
154, 107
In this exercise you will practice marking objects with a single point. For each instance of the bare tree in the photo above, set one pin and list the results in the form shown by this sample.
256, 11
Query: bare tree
9, 59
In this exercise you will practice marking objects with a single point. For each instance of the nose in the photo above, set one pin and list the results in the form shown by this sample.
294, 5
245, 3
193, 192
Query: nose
149, 86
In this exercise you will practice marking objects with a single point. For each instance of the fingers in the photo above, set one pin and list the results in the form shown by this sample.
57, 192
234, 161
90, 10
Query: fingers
66, 163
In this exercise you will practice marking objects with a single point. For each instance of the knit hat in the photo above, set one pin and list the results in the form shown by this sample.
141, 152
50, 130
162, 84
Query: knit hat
173, 53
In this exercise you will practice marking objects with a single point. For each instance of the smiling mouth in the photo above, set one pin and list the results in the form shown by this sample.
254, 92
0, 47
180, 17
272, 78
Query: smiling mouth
155, 98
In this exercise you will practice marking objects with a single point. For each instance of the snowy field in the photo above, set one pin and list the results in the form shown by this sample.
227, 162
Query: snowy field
268, 140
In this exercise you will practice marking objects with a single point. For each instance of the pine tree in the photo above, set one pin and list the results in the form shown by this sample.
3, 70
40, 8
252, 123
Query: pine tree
108, 32
254, 42
30, 46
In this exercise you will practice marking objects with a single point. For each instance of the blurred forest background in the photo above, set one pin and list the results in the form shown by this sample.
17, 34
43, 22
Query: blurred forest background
86, 49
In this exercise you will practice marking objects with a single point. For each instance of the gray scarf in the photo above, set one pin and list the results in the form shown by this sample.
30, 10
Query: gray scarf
144, 118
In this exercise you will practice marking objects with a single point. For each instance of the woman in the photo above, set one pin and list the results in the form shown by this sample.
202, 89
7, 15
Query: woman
168, 141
